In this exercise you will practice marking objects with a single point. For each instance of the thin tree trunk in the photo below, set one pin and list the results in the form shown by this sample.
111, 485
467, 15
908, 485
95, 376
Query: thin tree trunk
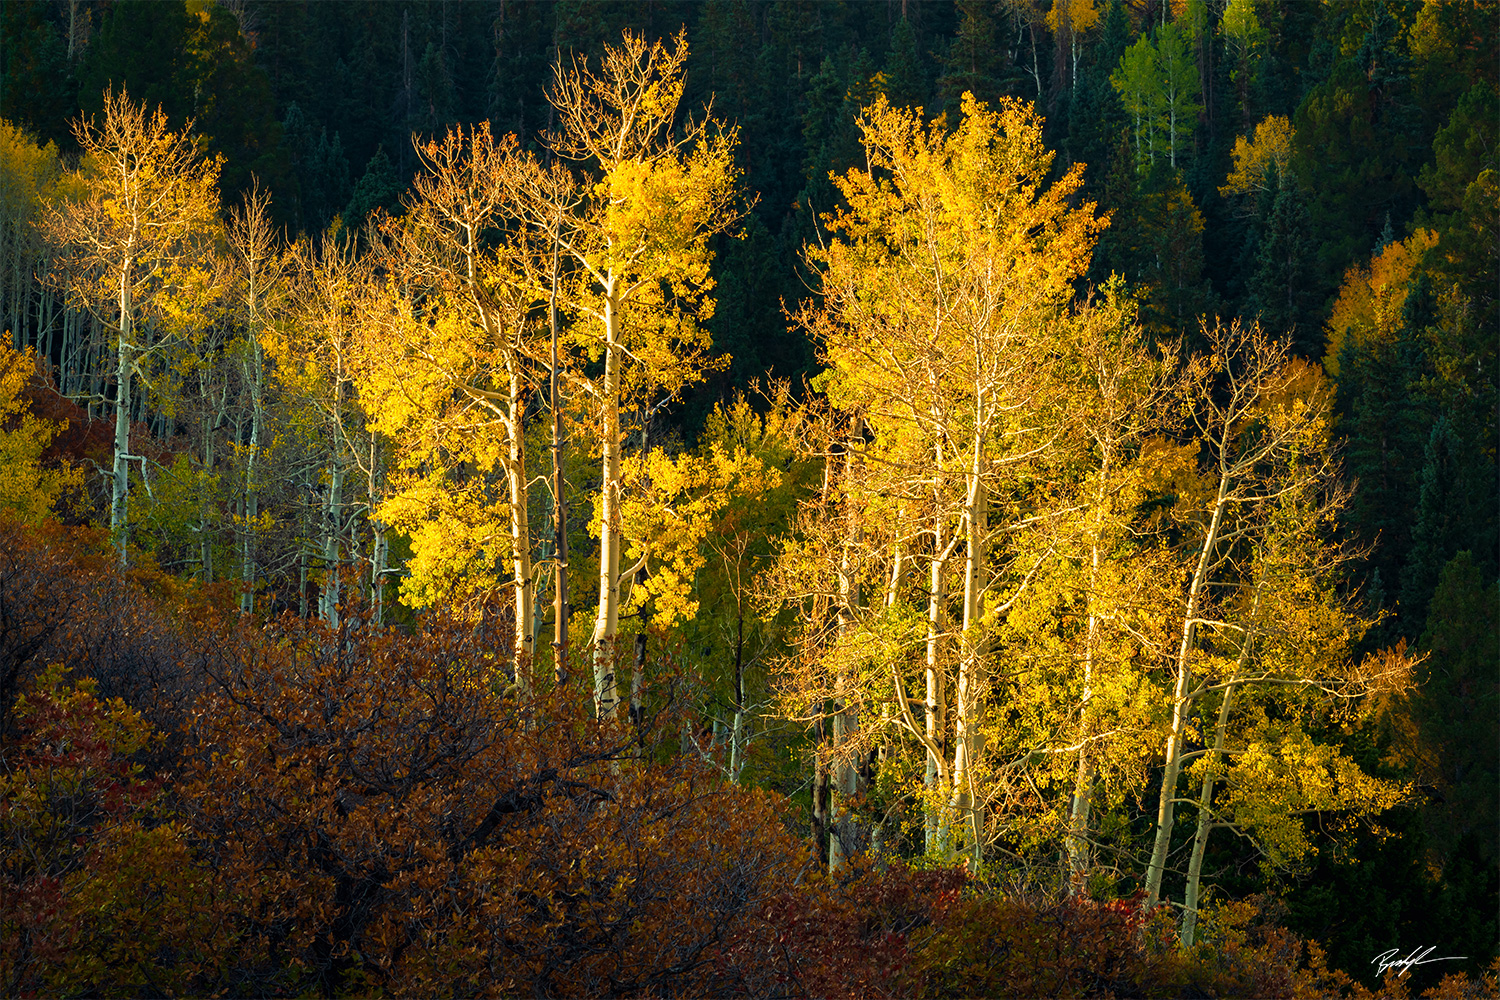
1182, 699
379, 547
520, 535
559, 501
737, 733
844, 782
1079, 860
252, 493
119, 510
607, 625
971, 662
328, 598
1210, 778
934, 779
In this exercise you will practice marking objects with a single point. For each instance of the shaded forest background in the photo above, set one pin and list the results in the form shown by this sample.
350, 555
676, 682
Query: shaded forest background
1326, 170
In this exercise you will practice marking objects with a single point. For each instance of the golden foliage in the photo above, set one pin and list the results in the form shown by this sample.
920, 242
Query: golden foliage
1371, 299
29, 489
1263, 156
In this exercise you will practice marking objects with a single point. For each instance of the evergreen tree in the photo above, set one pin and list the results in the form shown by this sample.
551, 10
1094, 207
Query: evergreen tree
1451, 513
1096, 118
34, 85
1279, 292
976, 61
377, 188
904, 79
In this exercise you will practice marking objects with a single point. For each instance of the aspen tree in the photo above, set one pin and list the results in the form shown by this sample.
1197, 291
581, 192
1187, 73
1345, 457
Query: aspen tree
942, 275
29, 490
1280, 661
635, 245
149, 196
319, 357
1262, 421
452, 374
1123, 391
260, 266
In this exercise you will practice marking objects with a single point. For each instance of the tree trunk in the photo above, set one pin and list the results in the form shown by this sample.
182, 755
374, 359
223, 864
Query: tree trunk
520, 535
559, 503
1182, 699
844, 781
328, 597
1079, 860
1210, 776
256, 379
971, 663
737, 732
119, 507
937, 709
606, 696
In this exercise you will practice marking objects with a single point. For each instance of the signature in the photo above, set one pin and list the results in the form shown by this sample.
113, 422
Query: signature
1418, 956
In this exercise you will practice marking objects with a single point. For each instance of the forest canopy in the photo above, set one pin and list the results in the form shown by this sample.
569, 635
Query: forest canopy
749, 498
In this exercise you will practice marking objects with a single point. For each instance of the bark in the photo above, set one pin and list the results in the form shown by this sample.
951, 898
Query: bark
1079, 860
843, 785
256, 379
963, 808
379, 549
737, 731
520, 534
935, 777
559, 501
1182, 697
1210, 776
119, 507
607, 625
328, 597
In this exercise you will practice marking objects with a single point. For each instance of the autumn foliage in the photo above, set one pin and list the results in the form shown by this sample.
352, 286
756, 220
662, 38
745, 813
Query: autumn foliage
364, 811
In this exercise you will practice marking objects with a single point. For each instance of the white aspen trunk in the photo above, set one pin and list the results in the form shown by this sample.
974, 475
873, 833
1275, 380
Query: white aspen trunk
119, 509
1210, 777
737, 732
252, 494
520, 537
1182, 699
328, 598
893, 586
1079, 860
559, 501
205, 543
1172, 126
934, 777
971, 662
843, 783
379, 546
10, 252
606, 627
302, 582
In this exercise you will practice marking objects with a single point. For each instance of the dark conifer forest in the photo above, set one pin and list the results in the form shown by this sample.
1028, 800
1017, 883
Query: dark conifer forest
765, 498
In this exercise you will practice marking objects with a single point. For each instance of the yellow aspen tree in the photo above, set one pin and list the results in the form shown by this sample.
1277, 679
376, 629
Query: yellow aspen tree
938, 284
1267, 473
1260, 771
650, 193
1068, 19
259, 264
30, 490
1260, 160
1123, 391
150, 195
450, 374
318, 354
